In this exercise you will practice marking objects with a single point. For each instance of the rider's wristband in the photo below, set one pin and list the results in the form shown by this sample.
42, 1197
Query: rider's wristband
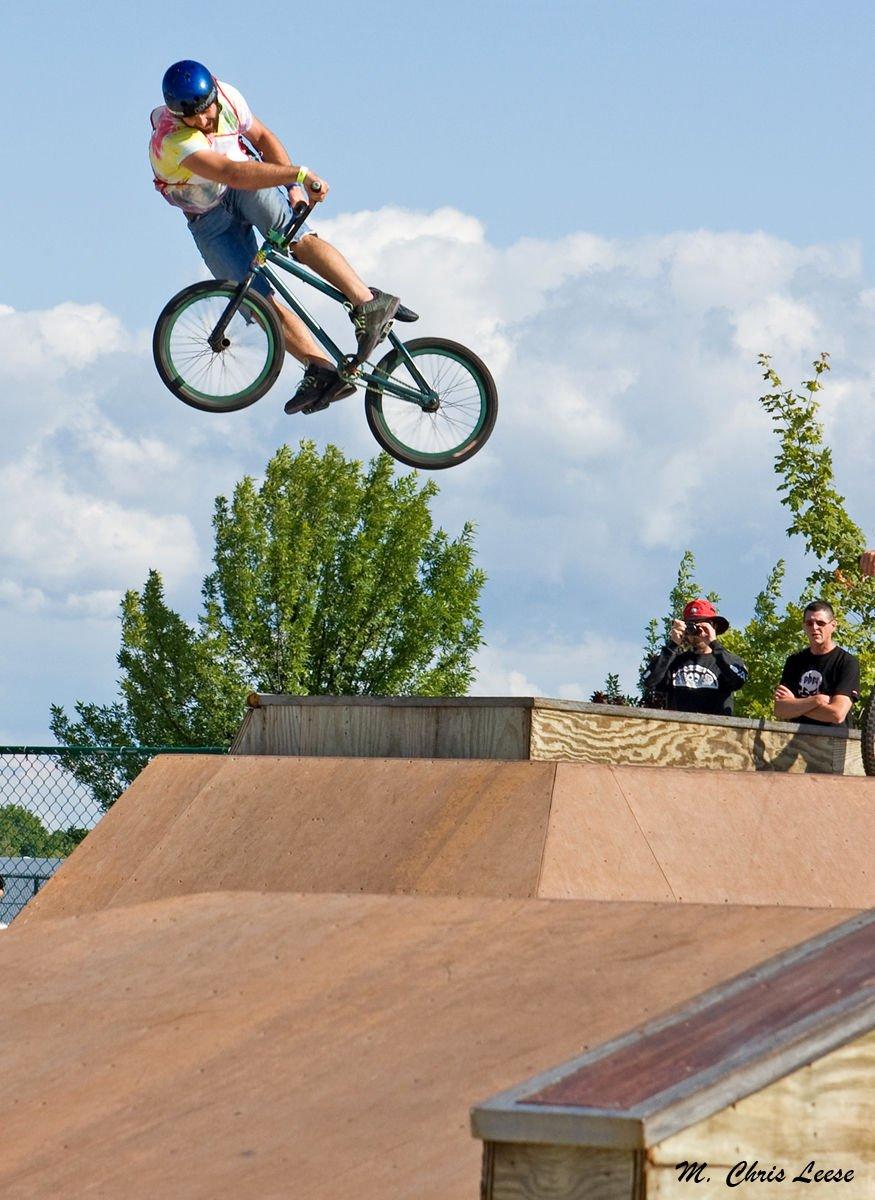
301, 175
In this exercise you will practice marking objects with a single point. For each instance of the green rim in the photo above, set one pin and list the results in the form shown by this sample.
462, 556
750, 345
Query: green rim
210, 397
437, 455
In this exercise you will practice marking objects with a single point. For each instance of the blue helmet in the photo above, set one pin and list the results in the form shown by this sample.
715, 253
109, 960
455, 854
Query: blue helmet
188, 88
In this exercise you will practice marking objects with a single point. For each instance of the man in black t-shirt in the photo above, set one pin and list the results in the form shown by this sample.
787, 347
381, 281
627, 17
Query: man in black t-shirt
695, 673
818, 685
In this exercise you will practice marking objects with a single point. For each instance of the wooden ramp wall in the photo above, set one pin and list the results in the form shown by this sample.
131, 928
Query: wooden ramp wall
194, 824
540, 729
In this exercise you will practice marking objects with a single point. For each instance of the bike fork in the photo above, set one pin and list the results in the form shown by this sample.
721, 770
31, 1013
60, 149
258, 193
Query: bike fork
431, 398
217, 340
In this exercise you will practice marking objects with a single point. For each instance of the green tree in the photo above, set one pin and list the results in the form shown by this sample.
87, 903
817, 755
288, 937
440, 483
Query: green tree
830, 536
329, 578
611, 692
764, 644
23, 833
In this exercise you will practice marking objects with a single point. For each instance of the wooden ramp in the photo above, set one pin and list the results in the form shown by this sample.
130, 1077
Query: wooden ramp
192, 824
250, 1046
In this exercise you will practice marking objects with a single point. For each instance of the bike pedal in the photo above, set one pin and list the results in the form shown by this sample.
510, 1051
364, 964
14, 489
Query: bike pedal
349, 369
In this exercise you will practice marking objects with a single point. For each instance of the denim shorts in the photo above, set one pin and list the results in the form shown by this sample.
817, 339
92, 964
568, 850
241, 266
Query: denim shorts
225, 238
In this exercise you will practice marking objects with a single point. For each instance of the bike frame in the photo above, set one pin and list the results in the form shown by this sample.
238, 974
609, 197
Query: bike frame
273, 254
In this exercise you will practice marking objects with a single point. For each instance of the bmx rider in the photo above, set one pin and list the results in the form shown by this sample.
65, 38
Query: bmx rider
202, 166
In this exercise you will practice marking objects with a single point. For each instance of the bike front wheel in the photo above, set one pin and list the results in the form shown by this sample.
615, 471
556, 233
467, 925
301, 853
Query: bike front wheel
233, 377
867, 736
463, 416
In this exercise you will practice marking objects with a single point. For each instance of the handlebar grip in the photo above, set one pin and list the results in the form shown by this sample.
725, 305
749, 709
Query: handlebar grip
300, 208
316, 186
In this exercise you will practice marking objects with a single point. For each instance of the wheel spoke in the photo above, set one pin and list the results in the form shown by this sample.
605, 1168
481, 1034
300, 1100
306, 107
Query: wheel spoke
461, 412
225, 376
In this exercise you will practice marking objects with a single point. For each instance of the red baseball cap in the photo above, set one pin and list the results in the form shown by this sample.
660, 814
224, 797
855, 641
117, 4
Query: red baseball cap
704, 610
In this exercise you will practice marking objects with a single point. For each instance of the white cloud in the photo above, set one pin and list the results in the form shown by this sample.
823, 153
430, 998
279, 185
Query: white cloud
57, 536
95, 606
26, 599
100, 605
567, 670
777, 322
51, 342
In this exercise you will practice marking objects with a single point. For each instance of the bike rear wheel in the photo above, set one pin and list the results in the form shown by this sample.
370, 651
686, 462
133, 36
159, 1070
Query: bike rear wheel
463, 418
867, 736
229, 379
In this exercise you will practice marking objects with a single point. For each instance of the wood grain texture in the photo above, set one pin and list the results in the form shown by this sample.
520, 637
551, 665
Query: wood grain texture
390, 730
555, 730
530, 1172
573, 736
283, 824
655, 833
245, 1046
824, 1111
735, 1026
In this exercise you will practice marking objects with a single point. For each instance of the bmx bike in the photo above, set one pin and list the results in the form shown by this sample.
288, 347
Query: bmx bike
218, 346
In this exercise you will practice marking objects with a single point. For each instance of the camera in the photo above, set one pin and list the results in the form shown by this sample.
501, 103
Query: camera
692, 628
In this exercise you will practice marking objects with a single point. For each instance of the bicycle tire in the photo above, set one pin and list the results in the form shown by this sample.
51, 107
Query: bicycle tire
468, 396
233, 378
867, 736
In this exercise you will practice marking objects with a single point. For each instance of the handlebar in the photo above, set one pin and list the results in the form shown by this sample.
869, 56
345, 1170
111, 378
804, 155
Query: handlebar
301, 212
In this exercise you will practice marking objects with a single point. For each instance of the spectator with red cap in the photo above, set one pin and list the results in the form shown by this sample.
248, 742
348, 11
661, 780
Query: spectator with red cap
693, 671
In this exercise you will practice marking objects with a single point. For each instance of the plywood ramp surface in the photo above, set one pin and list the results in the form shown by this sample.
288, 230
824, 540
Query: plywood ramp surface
477, 828
710, 837
113, 851
448, 827
263, 1046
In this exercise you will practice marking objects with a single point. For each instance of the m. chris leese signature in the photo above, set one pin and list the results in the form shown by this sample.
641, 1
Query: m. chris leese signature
745, 1172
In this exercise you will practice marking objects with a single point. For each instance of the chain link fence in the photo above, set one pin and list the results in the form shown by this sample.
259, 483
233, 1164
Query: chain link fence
50, 796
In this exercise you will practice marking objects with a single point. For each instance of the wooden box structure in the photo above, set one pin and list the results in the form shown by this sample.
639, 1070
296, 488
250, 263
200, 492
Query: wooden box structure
771, 1072
539, 729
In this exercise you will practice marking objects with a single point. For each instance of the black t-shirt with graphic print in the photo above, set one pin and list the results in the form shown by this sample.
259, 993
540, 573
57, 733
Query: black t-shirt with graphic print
834, 674
696, 683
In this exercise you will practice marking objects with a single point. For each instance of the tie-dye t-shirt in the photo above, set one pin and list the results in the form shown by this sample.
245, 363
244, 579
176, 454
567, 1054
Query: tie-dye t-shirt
172, 141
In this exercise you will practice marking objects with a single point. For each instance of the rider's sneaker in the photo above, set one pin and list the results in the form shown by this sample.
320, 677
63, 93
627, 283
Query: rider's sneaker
320, 387
402, 312
372, 321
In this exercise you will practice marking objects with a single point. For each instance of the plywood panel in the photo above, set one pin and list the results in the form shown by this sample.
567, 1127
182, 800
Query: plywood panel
576, 736
595, 848
526, 1172
824, 1112
393, 729
730, 1032
112, 851
710, 837
757, 838
474, 828
484, 727
237, 1045
323, 824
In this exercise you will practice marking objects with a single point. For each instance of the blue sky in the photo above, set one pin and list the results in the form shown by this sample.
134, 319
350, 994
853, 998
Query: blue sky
617, 204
